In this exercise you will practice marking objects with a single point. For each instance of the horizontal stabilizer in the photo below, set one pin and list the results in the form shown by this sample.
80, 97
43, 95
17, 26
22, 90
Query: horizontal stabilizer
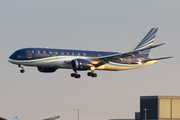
157, 59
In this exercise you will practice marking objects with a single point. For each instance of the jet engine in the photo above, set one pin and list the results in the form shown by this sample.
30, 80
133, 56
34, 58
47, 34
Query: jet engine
46, 69
80, 64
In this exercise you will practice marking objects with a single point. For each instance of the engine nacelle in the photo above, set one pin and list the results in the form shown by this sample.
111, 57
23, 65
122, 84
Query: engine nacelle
80, 64
46, 69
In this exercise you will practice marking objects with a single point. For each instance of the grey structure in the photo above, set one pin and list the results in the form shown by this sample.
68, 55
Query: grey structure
159, 108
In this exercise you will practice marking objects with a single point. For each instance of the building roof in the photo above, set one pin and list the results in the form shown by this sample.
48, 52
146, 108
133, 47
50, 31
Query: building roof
159, 97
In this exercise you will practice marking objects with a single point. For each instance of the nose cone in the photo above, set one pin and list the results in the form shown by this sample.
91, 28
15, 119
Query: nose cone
10, 60
10, 57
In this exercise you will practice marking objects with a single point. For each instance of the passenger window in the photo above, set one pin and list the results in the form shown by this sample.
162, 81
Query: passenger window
38, 51
62, 53
84, 54
50, 52
32, 51
72, 53
44, 52
78, 54
67, 53
99, 55
56, 53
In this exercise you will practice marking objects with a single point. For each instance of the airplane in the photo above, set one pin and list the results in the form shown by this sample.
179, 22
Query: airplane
48, 60
52, 118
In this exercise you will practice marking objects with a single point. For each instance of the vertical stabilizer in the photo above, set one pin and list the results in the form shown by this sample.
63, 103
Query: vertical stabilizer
147, 41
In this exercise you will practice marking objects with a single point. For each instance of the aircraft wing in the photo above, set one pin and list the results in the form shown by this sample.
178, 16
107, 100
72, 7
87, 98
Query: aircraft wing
106, 59
52, 118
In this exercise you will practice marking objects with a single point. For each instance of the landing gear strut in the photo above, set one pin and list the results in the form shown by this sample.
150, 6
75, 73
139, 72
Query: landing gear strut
75, 74
22, 70
92, 74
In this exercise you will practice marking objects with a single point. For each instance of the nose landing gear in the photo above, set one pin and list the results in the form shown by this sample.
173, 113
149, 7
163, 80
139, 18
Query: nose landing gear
22, 70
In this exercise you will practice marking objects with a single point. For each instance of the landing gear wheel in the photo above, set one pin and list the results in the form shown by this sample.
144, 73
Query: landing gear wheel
94, 75
75, 75
22, 71
72, 74
89, 74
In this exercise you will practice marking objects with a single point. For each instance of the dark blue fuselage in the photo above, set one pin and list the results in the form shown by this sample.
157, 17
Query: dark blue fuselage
40, 53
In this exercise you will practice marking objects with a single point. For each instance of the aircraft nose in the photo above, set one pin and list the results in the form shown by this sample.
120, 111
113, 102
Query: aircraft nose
10, 60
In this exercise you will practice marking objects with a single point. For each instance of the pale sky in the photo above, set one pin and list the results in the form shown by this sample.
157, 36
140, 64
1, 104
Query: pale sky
104, 25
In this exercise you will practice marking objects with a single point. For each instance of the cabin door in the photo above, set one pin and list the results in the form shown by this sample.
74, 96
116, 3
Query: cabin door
29, 54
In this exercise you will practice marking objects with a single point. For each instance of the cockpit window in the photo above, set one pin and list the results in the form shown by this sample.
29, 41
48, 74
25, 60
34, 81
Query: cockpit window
16, 53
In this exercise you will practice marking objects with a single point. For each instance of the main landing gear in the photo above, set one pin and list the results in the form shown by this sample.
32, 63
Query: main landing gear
22, 70
75, 74
92, 74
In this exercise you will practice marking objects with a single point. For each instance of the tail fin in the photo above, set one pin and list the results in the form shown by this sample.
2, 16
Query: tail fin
147, 41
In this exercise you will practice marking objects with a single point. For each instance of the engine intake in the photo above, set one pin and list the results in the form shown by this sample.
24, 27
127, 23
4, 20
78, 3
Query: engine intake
80, 64
46, 69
